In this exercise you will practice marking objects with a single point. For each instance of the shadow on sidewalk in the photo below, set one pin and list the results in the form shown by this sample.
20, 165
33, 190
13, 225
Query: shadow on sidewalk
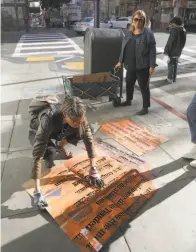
11, 37
54, 234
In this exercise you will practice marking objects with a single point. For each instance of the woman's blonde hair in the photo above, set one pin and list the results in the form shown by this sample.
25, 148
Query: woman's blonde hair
139, 13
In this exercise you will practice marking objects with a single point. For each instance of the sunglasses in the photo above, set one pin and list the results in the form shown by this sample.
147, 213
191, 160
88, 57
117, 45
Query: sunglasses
138, 20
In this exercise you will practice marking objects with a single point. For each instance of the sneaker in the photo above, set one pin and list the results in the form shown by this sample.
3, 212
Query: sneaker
126, 103
144, 111
193, 163
169, 81
39, 200
191, 154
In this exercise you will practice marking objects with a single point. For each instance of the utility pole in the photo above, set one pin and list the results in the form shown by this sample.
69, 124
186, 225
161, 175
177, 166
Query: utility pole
16, 10
108, 9
97, 11
26, 15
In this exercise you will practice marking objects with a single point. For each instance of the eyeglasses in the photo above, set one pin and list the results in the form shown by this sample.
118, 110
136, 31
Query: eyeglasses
138, 20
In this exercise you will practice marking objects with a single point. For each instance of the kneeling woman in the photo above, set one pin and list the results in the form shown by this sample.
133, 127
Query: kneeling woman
139, 58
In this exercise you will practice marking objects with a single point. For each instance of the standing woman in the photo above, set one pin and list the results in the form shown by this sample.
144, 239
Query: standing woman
139, 58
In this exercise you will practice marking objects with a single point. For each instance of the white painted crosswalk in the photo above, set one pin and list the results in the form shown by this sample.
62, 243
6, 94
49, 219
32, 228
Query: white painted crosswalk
188, 56
44, 45
68, 56
186, 66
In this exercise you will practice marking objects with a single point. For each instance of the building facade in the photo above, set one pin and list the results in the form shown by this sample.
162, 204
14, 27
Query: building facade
160, 11
184, 8
13, 13
108, 8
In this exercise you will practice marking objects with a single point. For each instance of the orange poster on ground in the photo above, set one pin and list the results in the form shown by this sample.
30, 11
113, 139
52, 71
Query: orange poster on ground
133, 136
86, 214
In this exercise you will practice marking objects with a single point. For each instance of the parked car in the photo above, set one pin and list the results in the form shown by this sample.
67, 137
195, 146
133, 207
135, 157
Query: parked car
87, 22
122, 22
190, 25
56, 22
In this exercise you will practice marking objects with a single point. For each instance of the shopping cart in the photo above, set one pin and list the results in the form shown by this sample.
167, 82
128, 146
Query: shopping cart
94, 86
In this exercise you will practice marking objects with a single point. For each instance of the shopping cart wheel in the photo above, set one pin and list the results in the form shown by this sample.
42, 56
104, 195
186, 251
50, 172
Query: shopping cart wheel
116, 102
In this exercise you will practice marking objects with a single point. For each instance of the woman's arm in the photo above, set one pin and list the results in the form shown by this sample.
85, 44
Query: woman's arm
152, 51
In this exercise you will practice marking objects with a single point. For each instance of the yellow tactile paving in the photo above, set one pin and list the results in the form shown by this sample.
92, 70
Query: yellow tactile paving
46, 58
75, 65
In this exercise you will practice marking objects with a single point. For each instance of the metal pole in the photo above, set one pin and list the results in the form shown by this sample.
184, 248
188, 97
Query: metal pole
27, 15
97, 9
16, 10
108, 9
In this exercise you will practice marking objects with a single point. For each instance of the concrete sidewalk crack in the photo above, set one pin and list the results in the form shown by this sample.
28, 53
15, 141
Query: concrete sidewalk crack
26, 212
167, 153
127, 243
7, 152
29, 81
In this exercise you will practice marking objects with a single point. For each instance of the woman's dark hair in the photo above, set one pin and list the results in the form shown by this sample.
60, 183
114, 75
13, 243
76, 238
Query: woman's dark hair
176, 20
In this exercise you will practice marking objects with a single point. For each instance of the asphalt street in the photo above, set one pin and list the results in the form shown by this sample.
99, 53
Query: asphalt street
33, 64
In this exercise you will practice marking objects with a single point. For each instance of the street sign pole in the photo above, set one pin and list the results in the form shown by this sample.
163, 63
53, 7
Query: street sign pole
97, 10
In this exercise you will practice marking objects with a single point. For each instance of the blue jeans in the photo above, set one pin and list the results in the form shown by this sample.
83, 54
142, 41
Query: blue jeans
172, 68
191, 116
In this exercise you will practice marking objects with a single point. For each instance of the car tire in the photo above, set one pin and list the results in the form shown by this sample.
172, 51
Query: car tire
111, 26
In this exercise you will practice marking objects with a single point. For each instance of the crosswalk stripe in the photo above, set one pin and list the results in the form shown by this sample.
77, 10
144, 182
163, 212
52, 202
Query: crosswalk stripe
189, 50
41, 40
188, 58
43, 47
44, 43
180, 76
43, 36
183, 56
159, 78
161, 62
49, 52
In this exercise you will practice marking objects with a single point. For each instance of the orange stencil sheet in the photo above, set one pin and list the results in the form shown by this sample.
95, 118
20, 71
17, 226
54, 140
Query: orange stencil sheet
89, 216
110, 169
105, 212
133, 136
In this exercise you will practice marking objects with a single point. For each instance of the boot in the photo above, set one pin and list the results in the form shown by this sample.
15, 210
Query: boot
126, 103
144, 111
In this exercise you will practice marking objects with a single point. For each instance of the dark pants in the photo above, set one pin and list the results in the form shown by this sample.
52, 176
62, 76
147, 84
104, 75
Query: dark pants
172, 68
142, 76
51, 151
50, 154
191, 116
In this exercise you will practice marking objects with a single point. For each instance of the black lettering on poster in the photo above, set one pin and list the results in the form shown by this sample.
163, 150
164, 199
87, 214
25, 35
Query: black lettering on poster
67, 178
98, 218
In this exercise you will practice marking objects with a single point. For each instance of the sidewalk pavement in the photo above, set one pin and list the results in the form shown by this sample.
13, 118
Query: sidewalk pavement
165, 224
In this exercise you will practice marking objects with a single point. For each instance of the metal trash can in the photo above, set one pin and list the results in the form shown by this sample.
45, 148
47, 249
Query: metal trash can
102, 49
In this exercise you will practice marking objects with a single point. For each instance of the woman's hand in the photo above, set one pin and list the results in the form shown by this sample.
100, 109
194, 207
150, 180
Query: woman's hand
118, 65
151, 71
